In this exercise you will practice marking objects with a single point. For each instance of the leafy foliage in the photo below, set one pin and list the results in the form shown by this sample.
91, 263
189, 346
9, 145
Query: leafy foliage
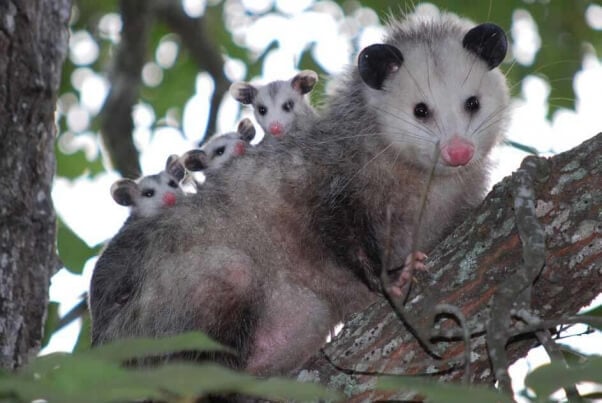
442, 392
546, 379
99, 376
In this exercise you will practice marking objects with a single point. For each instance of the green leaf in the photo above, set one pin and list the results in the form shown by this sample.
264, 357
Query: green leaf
85, 334
72, 165
76, 164
98, 376
123, 350
193, 380
52, 319
70, 378
442, 392
597, 313
73, 252
546, 379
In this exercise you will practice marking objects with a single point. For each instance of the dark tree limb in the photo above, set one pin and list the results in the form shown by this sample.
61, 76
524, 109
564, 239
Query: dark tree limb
469, 267
33, 45
116, 115
203, 50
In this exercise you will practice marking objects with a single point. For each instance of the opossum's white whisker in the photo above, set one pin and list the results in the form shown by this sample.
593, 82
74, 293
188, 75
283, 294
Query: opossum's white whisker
364, 167
396, 115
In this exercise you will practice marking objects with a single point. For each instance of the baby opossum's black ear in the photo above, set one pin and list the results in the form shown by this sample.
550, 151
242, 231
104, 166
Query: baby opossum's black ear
244, 93
123, 191
488, 41
246, 130
376, 62
304, 81
195, 160
175, 168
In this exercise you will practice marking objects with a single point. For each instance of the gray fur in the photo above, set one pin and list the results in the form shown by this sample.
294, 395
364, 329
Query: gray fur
287, 240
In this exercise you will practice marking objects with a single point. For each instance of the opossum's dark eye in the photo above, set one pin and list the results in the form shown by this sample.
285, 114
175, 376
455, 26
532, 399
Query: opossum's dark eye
288, 105
421, 111
220, 150
472, 104
148, 192
172, 183
262, 110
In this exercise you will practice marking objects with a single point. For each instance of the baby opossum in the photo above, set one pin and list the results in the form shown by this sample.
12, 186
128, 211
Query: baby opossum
289, 238
220, 149
149, 194
280, 106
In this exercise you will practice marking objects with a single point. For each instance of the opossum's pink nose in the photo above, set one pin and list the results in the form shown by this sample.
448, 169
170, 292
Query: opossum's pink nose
239, 148
276, 129
457, 152
169, 199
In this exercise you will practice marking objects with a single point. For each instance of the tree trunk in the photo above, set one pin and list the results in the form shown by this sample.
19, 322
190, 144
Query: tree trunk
33, 44
469, 270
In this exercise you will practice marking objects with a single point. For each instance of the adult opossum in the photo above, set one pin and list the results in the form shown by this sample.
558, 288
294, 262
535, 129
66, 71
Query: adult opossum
287, 240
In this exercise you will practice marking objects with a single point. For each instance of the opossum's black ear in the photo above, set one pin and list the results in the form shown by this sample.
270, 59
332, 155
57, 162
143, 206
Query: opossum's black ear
195, 160
304, 81
376, 62
175, 168
246, 130
244, 93
123, 191
488, 41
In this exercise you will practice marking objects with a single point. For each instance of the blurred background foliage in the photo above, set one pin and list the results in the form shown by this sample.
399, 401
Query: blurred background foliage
559, 35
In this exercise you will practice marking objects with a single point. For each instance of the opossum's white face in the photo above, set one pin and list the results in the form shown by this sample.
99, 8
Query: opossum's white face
441, 96
156, 192
149, 194
279, 104
222, 148
276, 107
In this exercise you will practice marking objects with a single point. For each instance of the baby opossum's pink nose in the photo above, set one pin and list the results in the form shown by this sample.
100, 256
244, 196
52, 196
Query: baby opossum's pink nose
276, 129
239, 148
169, 199
457, 152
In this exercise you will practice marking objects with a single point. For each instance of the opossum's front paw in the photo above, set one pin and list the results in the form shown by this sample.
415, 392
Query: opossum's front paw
415, 261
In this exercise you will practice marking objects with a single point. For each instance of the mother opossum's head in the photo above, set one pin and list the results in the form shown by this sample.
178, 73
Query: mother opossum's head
434, 84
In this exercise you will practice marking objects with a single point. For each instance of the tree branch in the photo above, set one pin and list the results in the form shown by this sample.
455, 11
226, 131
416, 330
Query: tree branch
116, 115
469, 267
195, 37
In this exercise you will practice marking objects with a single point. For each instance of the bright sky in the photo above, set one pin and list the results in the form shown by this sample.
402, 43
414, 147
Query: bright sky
79, 202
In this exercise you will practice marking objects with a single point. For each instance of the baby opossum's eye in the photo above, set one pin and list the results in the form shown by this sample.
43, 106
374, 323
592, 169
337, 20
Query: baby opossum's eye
262, 110
472, 104
421, 111
288, 105
172, 183
148, 192
220, 150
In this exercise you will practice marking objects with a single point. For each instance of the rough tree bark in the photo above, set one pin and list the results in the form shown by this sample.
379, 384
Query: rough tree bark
33, 44
468, 270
